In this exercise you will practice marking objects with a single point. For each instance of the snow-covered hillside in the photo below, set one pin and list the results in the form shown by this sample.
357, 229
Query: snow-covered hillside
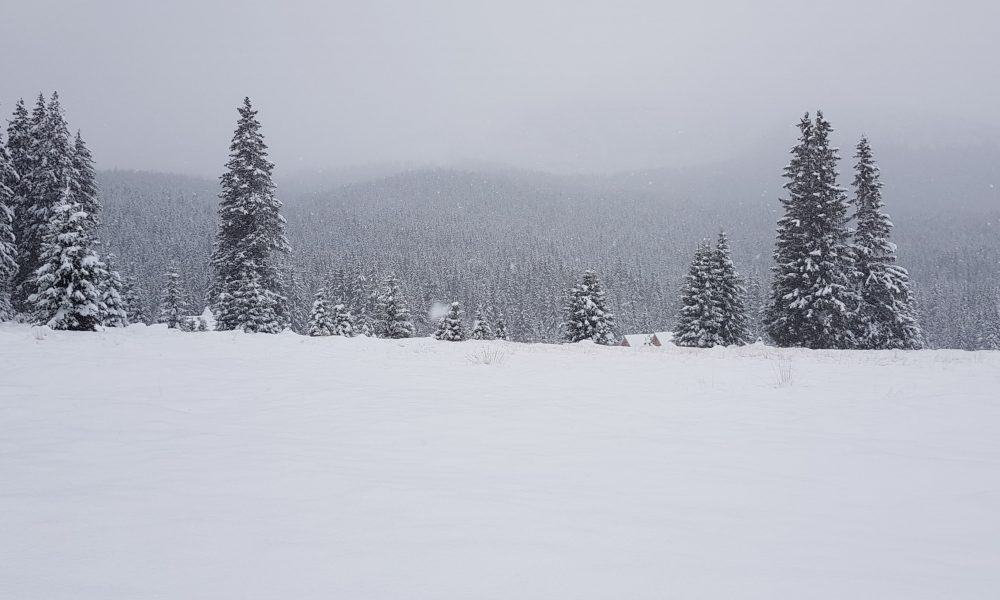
146, 463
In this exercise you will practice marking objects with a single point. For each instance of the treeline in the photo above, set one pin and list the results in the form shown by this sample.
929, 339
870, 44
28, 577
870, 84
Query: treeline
509, 244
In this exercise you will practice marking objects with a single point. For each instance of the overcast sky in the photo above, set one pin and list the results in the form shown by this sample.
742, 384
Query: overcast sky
565, 85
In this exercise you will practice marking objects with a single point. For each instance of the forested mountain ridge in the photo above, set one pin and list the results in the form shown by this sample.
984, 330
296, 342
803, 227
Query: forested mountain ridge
515, 240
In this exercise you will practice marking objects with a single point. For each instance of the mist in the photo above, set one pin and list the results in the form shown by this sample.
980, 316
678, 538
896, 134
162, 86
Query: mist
566, 87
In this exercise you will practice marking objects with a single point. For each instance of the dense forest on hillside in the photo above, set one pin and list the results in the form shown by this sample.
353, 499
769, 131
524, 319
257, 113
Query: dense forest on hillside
516, 240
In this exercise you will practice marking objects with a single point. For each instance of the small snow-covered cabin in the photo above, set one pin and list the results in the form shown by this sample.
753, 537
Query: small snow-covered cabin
637, 339
660, 338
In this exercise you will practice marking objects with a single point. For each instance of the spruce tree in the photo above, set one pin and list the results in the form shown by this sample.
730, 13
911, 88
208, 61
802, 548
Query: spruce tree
172, 304
887, 314
813, 300
45, 182
451, 328
84, 182
135, 309
500, 328
481, 328
8, 248
730, 297
321, 320
587, 316
246, 290
392, 314
700, 317
343, 322
67, 284
112, 296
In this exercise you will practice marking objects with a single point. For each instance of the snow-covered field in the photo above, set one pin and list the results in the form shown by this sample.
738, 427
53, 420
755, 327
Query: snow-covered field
148, 464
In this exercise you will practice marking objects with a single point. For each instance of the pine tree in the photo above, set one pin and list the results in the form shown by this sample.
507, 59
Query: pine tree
84, 182
321, 320
700, 318
343, 322
393, 317
135, 309
887, 314
587, 316
68, 295
481, 328
172, 304
111, 287
500, 328
246, 291
730, 297
451, 328
813, 299
44, 185
8, 249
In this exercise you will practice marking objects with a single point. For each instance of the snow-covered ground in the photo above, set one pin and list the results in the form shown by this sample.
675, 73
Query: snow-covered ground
149, 464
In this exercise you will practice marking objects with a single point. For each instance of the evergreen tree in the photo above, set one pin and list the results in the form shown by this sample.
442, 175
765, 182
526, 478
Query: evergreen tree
392, 313
8, 249
68, 292
887, 314
730, 297
135, 309
84, 182
246, 290
700, 318
321, 320
587, 316
343, 322
112, 296
172, 304
813, 299
451, 329
45, 184
481, 328
500, 328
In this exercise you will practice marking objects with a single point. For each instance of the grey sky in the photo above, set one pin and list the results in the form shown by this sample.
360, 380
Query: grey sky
564, 85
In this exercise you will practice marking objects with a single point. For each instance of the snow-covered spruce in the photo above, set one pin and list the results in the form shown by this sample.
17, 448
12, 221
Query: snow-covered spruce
112, 299
730, 296
887, 316
46, 182
392, 317
343, 321
68, 294
700, 317
587, 315
8, 249
172, 304
321, 321
246, 291
451, 328
481, 328
813, 297
135, 309
500, 328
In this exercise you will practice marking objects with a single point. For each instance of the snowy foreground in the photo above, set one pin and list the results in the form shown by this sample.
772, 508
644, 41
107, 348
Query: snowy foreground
148, 463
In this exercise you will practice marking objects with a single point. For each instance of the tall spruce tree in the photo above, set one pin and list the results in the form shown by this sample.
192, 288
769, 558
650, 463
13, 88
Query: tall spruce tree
500, 328
172, 304
246, 290
67, 284
112, 295
48, 176
8, 249
135, 309
343, 321
481, 328
587, 315
700, 317
813, 298
887, 315
84, 182
321, 321
391, 314
730, 296
451, 328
